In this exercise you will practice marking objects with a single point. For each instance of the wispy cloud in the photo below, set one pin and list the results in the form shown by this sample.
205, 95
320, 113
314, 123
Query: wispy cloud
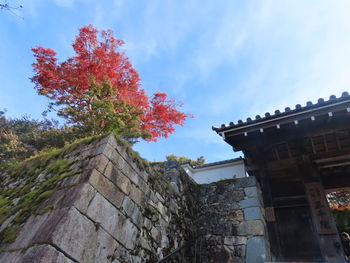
298, 51
226, 60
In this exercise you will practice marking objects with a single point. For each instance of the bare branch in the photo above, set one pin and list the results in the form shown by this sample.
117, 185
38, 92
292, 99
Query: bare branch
7, 7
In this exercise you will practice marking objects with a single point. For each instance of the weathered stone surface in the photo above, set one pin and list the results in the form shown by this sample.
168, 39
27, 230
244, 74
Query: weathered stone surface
144, 243
136, 194
235, 215
106, 149
109, 139
160, 198
38, 229
251, 191
79, 196
11, 257
118, 178
252, 213
251, 228
245, 182
87, 192
106, 188
161, 208
147, 224
36, 254
75, 234
256, 250
132, 211
99, 163
102, 248
250, 202
126, 233
156, 235
104, 213
123, 255
235, 240
110, 213
75, 179
7, 222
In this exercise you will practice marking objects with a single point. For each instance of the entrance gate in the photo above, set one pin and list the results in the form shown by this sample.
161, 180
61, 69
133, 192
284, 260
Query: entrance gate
298, 155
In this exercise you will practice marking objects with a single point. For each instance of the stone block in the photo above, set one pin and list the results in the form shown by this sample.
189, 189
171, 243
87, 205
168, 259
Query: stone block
11, 257
245, 182
144, 175
156, 235
250, 202
144, 243
117, 177
147, 223
126, 168
38, 229
235, 240
251, 228
102, 248
256, 250
251, 191
252, 213
109, 139
99, 163
106, 149
104, 213
79, 196
74, 179
75, 234
37, 254
106, 188
160, 198
122, 255
136, 195
132, 211
165, 241
122, 150
161, 209
86, 193
126, 233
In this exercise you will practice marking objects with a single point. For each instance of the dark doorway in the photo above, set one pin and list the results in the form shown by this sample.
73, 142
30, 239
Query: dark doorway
296, 234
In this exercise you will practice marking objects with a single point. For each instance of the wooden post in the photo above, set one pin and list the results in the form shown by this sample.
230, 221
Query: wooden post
328, 236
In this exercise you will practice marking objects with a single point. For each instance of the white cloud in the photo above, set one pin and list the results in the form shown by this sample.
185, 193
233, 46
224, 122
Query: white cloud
299, 51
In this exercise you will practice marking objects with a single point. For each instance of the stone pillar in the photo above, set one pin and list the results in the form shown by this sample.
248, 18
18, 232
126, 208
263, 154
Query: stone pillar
257, 249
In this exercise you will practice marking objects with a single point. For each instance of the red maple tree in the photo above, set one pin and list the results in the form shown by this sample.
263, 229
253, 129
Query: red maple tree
100, 82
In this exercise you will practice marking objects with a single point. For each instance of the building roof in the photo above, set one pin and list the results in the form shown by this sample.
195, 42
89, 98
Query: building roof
213, 164
321, 103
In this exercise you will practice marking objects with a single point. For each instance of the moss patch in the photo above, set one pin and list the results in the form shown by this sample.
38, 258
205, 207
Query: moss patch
9, 234
26, 185
141, 163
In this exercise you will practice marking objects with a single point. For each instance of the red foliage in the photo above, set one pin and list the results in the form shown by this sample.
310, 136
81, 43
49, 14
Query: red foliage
68, 82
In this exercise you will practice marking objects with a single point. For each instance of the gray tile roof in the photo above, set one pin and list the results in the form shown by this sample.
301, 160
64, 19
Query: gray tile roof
287, 111
214, 164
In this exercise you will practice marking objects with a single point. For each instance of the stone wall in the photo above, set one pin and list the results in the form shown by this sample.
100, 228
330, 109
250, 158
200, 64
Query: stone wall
231, 222
111, 208
97, 201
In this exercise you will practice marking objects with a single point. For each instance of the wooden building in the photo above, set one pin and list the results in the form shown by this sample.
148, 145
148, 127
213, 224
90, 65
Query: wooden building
297, 156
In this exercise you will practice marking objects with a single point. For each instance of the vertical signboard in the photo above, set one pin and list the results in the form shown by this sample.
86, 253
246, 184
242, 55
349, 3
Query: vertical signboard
319, 208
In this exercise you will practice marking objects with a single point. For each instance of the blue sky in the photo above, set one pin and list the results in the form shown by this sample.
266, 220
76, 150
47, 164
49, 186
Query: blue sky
225, 60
